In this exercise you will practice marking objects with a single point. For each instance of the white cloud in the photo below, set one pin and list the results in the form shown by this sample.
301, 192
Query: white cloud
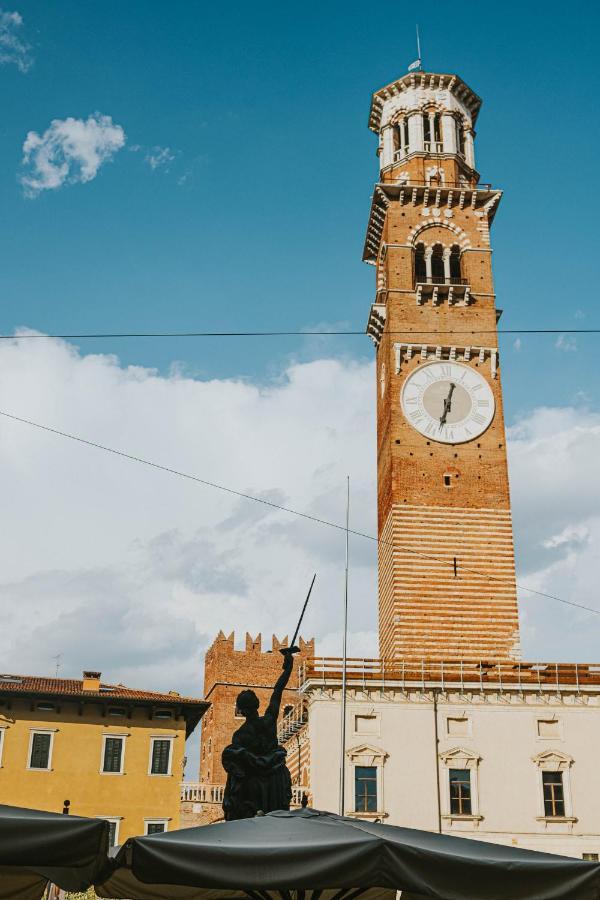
132, 570
517, 344
13, 50
69, 151
566, 342
159, 157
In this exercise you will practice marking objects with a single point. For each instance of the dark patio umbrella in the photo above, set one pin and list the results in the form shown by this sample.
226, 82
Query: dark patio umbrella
306, 850
37, 847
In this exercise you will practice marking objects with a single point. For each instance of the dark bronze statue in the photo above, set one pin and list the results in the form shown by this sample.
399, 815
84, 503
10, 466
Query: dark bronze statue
258, 780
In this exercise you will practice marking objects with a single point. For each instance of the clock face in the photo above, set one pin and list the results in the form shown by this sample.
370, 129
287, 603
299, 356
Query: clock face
448, 402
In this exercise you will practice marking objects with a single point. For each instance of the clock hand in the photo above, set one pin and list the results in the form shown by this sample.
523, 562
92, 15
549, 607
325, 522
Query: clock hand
447, 404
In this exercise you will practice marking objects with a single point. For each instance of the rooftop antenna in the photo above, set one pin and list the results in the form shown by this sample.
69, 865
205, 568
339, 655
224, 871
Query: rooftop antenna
58, 658
417, 65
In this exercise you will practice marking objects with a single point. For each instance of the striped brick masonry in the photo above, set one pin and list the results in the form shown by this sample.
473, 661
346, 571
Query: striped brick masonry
446, 559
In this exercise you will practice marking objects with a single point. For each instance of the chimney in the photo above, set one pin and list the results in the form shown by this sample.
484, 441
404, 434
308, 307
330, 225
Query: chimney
91, 681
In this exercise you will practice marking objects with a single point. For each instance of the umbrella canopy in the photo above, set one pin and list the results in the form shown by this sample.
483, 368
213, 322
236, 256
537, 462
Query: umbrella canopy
308, 850
37, 847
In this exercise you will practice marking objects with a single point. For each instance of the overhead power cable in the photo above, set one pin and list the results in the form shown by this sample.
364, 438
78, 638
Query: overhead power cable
281, 508
101, 335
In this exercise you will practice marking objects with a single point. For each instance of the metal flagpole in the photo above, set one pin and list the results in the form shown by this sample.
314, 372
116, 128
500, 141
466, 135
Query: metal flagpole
344, 661
418, 45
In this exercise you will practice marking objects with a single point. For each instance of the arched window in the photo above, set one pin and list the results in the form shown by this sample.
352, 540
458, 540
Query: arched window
437, 265
432, 132
455, 265
400, 132
420, 268
460, 137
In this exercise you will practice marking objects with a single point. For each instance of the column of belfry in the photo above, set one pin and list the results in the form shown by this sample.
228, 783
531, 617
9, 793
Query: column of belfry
446, 558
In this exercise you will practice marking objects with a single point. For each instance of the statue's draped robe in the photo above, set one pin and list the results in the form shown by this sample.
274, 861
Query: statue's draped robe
258, 779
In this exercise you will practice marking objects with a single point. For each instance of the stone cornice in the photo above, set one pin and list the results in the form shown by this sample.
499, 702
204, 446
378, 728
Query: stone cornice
438, 197
424, 80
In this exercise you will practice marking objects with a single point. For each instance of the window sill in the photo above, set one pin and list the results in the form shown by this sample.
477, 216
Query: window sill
160, 774
549, 820
456, 817
35, 769
367, 815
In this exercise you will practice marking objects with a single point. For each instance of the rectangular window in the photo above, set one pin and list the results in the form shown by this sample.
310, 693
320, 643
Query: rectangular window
591, 857
156, 827
112, 758
460, 792
160, 756
113, 830
554, 796
365, 789
41, 745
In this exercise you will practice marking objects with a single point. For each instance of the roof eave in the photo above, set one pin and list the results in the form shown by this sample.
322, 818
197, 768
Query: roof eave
454, 84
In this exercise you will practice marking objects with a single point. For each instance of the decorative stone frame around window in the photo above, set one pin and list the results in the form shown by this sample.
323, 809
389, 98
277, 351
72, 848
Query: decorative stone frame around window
365, 755
459, 758
555, 761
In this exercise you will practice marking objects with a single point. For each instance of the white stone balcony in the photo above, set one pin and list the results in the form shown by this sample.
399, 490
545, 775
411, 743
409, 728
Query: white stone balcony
212, 794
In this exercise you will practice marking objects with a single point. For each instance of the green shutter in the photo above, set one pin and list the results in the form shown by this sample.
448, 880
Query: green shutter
160, 757
40, 751
113, 749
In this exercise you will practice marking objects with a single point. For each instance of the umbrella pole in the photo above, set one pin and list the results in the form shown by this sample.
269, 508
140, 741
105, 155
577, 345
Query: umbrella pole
344, 661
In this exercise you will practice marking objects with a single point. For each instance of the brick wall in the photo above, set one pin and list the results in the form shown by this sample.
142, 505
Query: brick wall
228, 671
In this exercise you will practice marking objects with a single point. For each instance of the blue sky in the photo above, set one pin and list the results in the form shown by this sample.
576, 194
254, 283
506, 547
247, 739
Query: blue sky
259, 219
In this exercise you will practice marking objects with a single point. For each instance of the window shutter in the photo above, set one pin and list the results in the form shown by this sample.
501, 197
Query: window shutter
113, 748
40, 751
160, 757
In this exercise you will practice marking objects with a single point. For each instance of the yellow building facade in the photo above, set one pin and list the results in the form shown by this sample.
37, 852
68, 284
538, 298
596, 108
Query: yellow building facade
100, 750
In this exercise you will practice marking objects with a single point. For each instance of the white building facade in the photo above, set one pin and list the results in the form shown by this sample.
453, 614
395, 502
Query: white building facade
505, 753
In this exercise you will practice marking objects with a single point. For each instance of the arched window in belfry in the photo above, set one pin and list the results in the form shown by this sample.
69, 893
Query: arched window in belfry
460, 137
420, 268
432, 132
455, 274
437, 265
400, 132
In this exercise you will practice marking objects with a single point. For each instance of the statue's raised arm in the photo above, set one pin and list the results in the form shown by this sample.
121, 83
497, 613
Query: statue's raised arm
282, 682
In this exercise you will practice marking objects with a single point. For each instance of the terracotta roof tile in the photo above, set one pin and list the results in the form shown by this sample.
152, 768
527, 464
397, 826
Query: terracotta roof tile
72, 687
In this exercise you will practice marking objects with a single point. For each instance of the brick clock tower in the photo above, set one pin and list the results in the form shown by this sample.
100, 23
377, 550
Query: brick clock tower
446, 558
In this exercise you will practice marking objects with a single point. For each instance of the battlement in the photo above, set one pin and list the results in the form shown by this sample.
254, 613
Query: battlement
226, 644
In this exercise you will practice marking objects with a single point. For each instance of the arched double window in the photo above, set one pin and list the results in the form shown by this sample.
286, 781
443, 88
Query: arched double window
437, 264
438, 275
455, 274
400, 134
432, 132
420, 266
